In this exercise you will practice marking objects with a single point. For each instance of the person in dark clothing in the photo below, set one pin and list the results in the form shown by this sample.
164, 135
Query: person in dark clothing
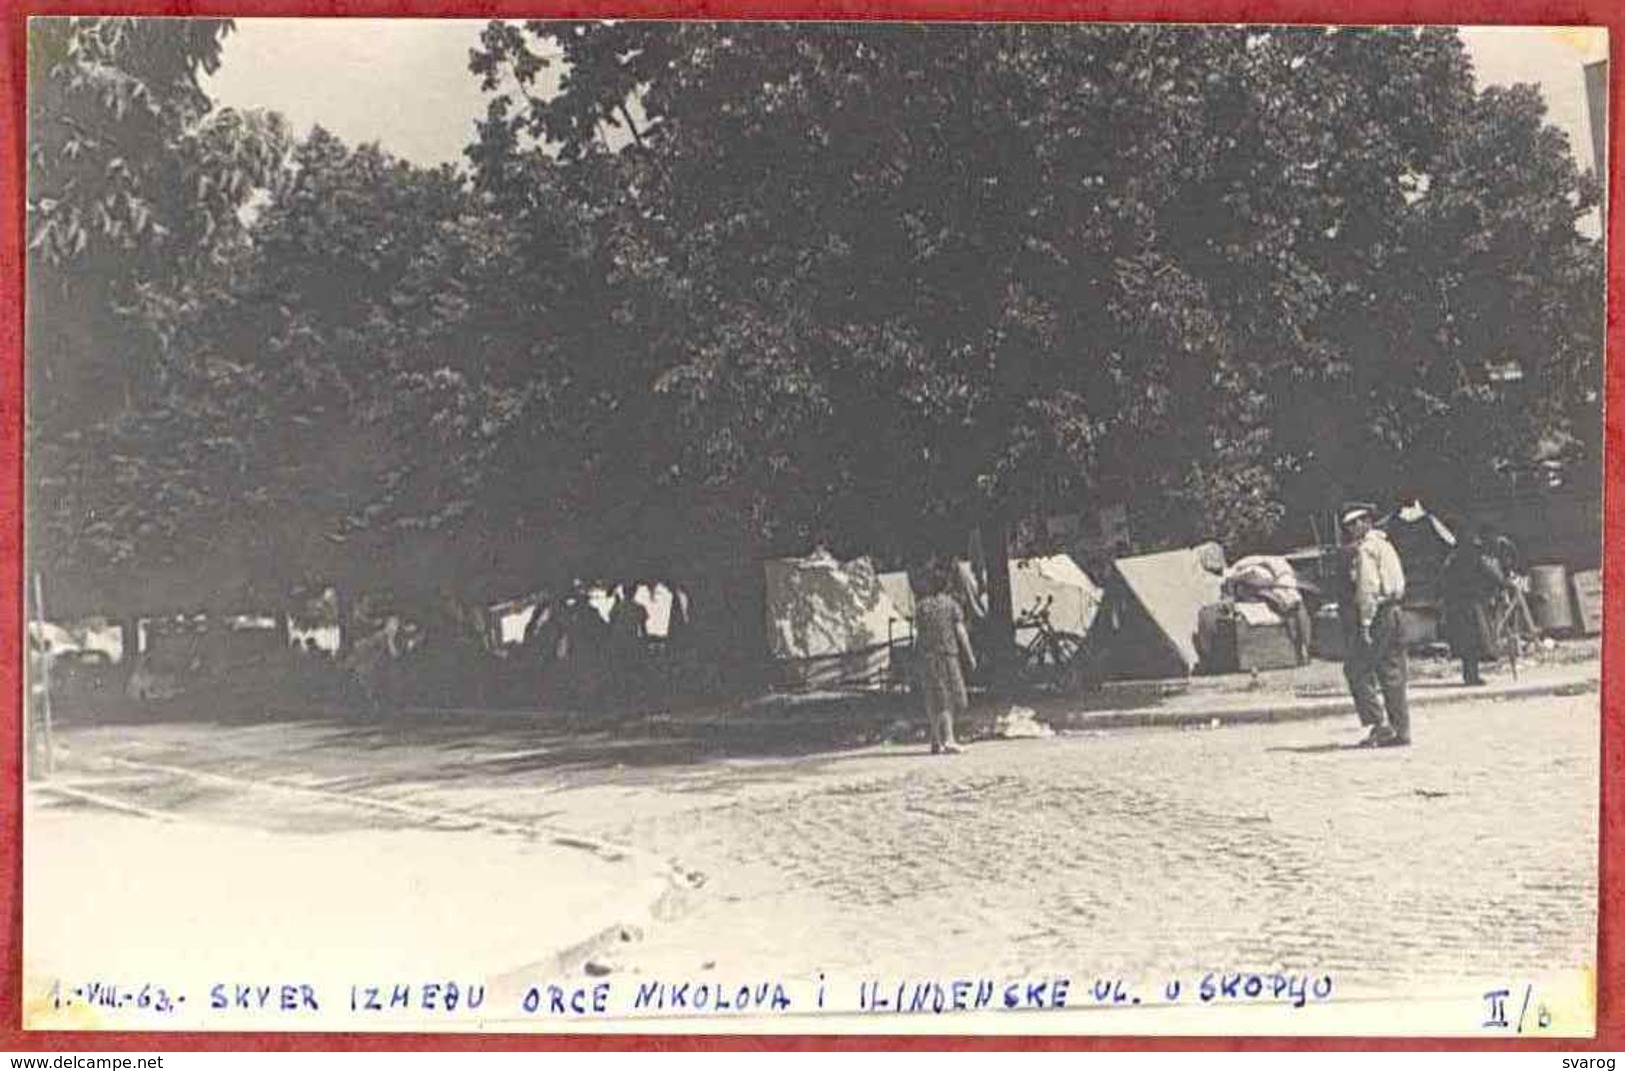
585, 647
628, 618
628, 641
1423, 542
374, 665
1472, 579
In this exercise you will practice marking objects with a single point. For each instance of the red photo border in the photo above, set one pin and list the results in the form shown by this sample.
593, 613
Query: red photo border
13, 59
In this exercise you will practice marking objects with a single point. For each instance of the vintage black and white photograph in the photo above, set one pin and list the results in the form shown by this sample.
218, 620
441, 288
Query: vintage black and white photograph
881, 527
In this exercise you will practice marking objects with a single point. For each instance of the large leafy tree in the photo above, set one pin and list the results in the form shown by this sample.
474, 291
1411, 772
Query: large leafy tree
867, 315
732, 289
1423, 266
357, 338
1503, 312
135, 202
895, 280
910, 273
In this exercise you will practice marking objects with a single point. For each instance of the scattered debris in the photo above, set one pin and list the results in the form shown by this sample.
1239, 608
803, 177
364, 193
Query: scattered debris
1430, 794
709, 965
631, 933
1021, 723
598, 967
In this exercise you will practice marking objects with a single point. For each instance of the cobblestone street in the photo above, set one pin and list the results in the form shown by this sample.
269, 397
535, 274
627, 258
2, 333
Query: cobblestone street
1259, 848
1144, 854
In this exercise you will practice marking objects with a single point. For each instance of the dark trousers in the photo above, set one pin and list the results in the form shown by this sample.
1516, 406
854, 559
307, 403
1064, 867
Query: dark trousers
1377, 673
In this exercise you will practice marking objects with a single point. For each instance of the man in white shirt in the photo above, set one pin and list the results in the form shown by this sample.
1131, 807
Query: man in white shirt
1374, 663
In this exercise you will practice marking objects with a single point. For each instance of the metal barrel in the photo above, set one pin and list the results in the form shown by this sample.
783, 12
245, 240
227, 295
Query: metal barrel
1549, 598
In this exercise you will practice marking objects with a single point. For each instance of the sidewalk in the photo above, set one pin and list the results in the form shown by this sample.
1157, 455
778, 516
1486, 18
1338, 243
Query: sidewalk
190, 904
1233, 705
1313, 691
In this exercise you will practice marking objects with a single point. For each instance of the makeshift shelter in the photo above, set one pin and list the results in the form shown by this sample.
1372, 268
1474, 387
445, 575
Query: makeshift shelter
53, 639
900, 590
1073, 598
1155, 603
830, 624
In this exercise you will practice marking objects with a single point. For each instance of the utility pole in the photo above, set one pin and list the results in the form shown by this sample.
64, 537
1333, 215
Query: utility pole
44, 707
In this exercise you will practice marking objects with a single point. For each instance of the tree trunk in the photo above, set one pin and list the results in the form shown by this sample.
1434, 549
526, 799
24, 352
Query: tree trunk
129, 630
347, 625
217, 643
1000, 637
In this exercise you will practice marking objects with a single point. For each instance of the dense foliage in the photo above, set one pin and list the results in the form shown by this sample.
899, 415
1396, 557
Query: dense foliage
735, 289
905, 274
136, 197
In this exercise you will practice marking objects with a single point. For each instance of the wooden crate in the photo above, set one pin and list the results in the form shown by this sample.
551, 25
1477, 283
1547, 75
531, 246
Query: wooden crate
1588, 600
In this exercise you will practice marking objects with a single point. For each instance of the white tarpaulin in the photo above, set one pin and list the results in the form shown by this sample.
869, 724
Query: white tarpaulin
1073, 598
829, 623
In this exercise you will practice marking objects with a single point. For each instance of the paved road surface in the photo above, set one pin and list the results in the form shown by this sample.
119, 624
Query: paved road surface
1140, 853
1145, 854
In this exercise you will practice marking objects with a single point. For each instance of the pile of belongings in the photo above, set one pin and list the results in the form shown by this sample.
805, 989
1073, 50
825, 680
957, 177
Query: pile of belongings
1265, 578
1265, 591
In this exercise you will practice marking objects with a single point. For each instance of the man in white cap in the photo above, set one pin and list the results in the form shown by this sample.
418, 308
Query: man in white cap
1374, 663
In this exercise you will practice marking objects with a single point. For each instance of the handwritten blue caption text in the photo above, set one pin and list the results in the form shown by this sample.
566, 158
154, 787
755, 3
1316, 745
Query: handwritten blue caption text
927, 996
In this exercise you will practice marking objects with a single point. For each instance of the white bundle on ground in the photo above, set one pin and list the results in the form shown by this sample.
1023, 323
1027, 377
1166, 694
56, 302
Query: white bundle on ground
1021, 722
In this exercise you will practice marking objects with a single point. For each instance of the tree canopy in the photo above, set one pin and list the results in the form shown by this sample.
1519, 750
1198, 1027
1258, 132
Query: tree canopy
734, 289
136, 190
909, 273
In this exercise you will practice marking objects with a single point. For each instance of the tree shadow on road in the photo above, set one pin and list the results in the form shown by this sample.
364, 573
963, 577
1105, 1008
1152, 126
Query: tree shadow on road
490, 749
455, 746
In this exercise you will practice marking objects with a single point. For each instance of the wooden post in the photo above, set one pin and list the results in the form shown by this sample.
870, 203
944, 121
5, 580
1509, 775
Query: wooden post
45, 677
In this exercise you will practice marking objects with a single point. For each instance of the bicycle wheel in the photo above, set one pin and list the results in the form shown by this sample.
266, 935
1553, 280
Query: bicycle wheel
1065, 651
1033, 655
